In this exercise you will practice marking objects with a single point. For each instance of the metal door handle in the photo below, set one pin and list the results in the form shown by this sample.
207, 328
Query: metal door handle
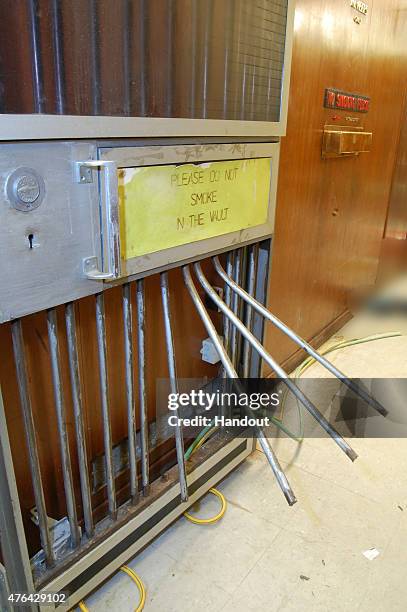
110, 220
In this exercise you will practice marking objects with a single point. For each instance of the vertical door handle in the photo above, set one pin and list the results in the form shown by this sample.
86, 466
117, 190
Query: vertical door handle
109, 219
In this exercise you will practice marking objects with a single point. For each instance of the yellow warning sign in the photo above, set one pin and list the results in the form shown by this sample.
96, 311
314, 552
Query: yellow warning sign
167, 206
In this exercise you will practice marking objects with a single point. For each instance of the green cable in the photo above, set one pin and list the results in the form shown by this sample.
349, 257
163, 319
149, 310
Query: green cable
304, 365
201, 434
308, 361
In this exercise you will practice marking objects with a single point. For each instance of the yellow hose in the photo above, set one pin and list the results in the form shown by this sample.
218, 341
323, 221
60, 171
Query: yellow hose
213, 519
132, 574
137, 580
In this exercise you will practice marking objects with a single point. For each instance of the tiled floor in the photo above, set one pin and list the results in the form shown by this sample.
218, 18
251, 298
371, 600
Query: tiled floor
265, 555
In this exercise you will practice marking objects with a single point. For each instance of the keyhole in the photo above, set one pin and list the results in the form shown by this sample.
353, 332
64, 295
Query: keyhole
31, 240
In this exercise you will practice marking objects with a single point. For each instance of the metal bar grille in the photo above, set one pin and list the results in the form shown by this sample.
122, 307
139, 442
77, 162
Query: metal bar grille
235, 52
81, 511
243, 269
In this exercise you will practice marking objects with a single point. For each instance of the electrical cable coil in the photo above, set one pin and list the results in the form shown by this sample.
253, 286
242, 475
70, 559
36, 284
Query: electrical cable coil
213, 519
137, 580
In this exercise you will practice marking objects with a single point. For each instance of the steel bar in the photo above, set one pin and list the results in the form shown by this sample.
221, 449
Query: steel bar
22, 380
52, 326
5, 592
179, 440
145, 468
240, 265
226, 58
130, 396
57, 44
297, 339
251, 285
194, 59
235, 307
141, 50
127, 15
274, 365
227, 327
228, 366
169, 59
78, 414
205, 58
36, 60
13, 542
94, 57
104, 398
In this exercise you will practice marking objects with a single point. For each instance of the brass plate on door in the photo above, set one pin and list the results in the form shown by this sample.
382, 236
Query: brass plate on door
337, 142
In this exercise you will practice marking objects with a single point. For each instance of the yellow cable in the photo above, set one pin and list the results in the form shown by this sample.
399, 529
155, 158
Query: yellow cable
218, 494
127, 570
139, 583
213, 519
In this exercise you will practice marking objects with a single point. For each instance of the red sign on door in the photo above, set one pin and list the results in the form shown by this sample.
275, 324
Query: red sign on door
341, 100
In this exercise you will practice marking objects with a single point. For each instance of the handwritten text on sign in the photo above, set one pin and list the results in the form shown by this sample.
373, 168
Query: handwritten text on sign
167, 206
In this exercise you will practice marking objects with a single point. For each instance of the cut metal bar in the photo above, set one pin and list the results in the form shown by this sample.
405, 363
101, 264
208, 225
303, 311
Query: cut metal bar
22, 380
179, 440
231, 372
131, 402
145, 467
13, 542
251, 285
104, 398
52, 325
297, 339
58, 56
78, 414
274, 365
37, 68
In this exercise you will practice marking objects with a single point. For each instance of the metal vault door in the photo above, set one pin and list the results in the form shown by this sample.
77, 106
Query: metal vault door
63, 241
61, 244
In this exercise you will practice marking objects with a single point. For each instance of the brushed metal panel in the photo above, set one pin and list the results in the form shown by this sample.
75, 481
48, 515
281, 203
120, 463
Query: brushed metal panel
64, 229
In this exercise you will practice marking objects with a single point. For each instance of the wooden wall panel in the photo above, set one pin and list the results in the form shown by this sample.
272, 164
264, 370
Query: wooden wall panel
331, 213
396, 224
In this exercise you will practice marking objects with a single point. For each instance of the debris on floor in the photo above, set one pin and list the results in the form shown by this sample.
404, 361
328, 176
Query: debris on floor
371, 553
